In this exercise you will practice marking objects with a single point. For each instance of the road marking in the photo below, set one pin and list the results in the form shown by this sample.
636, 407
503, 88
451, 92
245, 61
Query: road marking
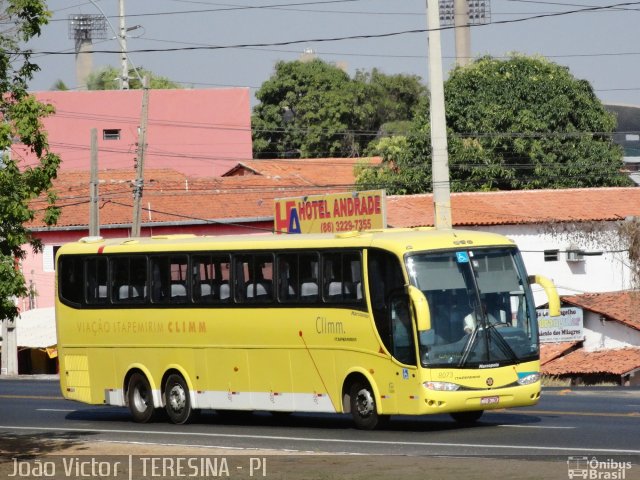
31, 397
555, 449
55, 409
535, 426
584, 414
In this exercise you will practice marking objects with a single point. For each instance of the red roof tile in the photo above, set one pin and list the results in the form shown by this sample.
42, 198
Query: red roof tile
336, 172
551, 351
617, 362
519, 207
623, 307
170, 196
251, 196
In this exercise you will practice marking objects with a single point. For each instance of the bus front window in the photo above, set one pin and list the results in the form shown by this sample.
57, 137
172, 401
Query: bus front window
482, 310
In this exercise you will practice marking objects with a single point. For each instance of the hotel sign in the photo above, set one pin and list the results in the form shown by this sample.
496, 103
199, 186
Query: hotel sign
332, 213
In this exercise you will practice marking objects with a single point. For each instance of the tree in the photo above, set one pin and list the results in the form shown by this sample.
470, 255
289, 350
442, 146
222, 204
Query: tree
392, 98
21, 184
108, 78
314, 109
519, 123
306, 109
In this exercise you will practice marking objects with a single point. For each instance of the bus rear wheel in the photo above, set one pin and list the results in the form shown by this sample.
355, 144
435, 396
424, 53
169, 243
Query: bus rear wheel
363, 407
140, 398
177, 400
467, 418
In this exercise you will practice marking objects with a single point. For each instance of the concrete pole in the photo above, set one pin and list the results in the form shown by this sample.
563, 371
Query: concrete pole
124, 83
94, 215
9, 364
463, 33
84, 61
142, 139
439, 153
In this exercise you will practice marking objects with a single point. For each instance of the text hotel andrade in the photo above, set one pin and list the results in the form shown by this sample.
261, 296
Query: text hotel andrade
332, 213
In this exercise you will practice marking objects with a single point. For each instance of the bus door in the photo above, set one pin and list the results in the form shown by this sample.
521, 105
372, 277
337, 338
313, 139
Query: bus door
393, 321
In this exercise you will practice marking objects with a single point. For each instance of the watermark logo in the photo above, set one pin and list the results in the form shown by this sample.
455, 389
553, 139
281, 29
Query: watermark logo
595, 468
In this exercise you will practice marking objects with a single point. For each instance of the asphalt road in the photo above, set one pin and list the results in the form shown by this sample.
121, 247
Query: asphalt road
566, 424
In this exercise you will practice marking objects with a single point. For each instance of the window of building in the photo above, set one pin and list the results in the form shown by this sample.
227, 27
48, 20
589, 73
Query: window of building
551, 255
111, 134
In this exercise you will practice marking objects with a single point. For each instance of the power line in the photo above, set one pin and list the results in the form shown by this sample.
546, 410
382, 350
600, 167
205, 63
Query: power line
347, 37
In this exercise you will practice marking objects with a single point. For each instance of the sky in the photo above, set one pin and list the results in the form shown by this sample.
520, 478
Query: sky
600, 45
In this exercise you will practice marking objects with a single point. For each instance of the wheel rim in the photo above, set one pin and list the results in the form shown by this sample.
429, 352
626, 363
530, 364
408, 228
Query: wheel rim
364, 403
177, 398
141, 398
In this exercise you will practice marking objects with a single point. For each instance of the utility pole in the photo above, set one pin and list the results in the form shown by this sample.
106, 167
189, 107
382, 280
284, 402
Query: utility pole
142, 145
94, 215
9, 364
124, 81
439, 154
463, 33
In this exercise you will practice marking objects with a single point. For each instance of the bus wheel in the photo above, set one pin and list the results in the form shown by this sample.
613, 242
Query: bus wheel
140, 398
467, 417
363, 406
177, 400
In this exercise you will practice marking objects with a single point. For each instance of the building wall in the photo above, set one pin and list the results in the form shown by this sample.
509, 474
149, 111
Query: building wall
605, 335
199, 132
603, 273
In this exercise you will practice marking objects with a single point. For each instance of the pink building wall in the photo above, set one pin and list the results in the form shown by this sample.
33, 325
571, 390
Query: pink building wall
200, 132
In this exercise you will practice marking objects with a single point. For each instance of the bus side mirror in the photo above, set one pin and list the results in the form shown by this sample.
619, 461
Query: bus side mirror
420, 307
550, 290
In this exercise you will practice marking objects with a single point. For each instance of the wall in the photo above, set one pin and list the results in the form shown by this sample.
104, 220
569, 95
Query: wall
604, 273
607, 335
199, 132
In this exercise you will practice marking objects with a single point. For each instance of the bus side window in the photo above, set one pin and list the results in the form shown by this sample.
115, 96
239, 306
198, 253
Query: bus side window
403, 345
309, 277
179, 285
260, 284
341, 273
129, 279
71, 279
254, 278
210, 280
288, 276
96, 282
384, 278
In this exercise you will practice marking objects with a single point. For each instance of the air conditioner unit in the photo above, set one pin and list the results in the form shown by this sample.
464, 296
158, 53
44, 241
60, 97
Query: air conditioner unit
575, 255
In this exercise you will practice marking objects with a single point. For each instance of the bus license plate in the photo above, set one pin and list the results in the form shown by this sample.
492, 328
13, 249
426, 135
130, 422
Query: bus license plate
489, 400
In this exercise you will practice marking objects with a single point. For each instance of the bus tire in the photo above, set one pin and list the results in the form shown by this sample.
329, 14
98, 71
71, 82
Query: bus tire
363, 406
140, 398
467, 418
177, 400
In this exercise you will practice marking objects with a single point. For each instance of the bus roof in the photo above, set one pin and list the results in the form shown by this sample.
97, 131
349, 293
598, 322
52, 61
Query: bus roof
397, 240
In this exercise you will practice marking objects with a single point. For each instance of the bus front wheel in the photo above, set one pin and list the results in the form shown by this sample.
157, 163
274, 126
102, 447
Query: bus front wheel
140, 398
363, 406
177, 400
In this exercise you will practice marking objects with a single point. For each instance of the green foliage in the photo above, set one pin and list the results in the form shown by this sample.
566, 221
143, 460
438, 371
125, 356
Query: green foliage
108, 78
520, 123
59, 85
314, 109
21, 184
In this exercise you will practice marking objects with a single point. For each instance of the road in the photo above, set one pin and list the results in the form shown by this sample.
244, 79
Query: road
593, 423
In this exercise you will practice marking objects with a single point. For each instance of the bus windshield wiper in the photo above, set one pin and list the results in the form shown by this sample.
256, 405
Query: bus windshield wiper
501, 342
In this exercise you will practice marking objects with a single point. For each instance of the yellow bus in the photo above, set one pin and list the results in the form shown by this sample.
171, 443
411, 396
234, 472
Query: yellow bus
390, 322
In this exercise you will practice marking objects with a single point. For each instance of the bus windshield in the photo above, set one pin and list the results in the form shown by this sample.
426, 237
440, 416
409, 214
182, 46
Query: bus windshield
482, 310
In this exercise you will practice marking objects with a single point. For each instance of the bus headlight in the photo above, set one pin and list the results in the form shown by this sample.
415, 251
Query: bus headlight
529, 378
442, 386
